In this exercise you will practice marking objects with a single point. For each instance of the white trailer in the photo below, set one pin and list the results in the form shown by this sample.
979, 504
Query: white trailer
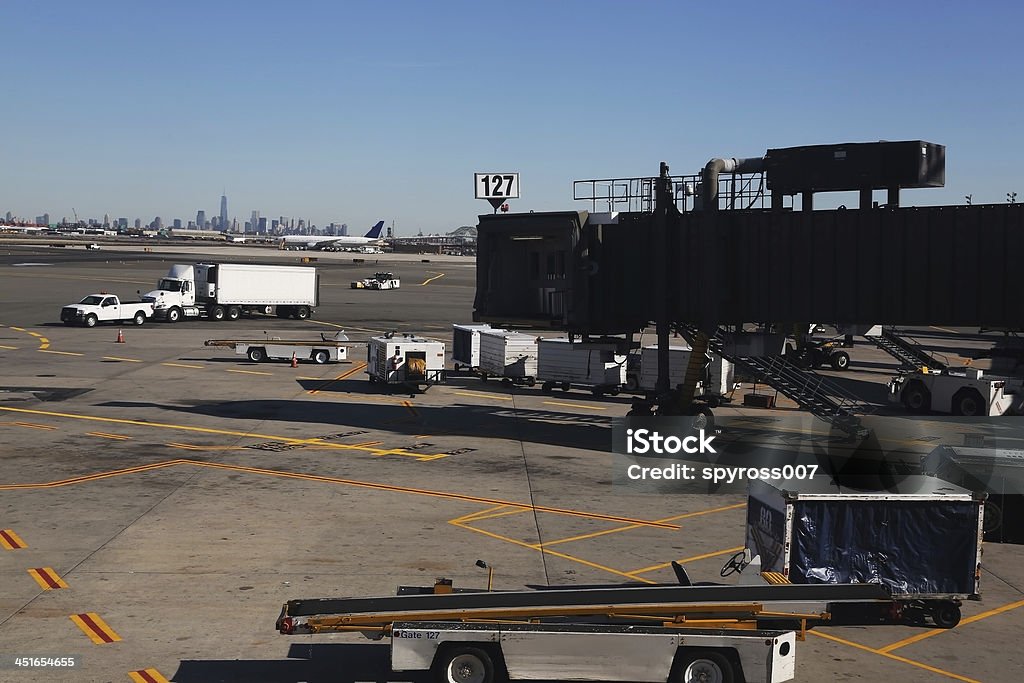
407, 360
594, 366
966, 391
330, 348
511, 356
489, 653
717, 380
466, 345
226, 291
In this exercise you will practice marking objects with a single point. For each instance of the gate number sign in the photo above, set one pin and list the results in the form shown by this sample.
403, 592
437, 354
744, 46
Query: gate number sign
496, 185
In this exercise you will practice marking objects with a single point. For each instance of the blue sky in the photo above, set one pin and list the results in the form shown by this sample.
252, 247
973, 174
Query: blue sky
353, 112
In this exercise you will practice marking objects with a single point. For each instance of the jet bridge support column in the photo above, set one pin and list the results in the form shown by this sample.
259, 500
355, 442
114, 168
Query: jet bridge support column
662, 202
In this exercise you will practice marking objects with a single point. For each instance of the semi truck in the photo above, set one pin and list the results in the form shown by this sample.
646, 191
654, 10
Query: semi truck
226, 291
105, 308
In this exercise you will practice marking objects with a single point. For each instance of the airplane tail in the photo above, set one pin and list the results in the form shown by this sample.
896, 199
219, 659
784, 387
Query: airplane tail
375, 231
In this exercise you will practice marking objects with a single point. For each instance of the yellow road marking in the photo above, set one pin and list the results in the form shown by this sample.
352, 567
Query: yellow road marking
94, 627
19, 329
574, 405
431, 279
33, 425
943, 329
478, 394
127, 360
193, 447
44, 344
10, 540
11, 348
345, 327
410, 407
889, 655
147, 676
47, 578
473, 515
963, 622
345, 375
60, 353
182, 365
249, 372
673, 518
35, 334
727, 551
106, 435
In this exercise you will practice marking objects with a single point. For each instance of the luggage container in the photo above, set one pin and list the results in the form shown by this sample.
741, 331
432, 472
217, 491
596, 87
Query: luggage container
563, 364
407, 360
466, 345
717, 380
512, 356
922, 542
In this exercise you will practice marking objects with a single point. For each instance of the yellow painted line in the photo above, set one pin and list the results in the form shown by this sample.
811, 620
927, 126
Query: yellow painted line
889, 655
943, 329
249, 372
19, 329
368, 443
477, 394
431, 279
33, 425
410, 407
10, 348
674, 518
182, 365
61, 353
126, 360
106, 435
656, 567
35, 334
10, 540
963, 622
44, 344
345, 375
94, 627
193, 447
473, 515
147, 676
495, 515
574, 405
304, 377
47, 578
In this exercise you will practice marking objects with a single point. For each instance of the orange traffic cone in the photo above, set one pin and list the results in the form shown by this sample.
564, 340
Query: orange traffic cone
295, 361
120, 336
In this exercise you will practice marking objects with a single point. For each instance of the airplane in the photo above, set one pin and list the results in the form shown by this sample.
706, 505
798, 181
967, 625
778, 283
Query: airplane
336, 242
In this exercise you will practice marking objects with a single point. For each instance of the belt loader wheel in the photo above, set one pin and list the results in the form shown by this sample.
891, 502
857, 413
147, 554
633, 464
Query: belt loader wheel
840, 360
463, 665
916, 397
704, 666
968, 402
945, 614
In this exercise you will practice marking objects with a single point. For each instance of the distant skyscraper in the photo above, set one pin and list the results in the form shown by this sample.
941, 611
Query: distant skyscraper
122, 223
177, 224
8, 217
344, 229
201, 219
138, 223
254, 222
223, 212
158, 223
106, 220
261, 225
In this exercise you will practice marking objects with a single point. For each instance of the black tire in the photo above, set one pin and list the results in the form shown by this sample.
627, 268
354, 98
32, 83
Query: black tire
320, 357
566, 386
547, 387
217, 313
840, 360
302, 313
69, 323
256, 354
91, 320
633, 383
506, 381
614, 391
139, 319
234, 312
174, 315
483, 377
531, 381
969, 403
457, 367
463, 664
597, 391
945, 614
703, 665
993, 520
916, 397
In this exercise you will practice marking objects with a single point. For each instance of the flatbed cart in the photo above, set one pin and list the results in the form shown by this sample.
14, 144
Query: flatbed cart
331, 348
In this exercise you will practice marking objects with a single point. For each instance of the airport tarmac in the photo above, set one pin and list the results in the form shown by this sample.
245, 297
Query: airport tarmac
160, 500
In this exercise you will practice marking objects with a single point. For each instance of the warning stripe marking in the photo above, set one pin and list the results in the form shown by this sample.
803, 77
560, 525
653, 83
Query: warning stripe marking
182, 365
10, 348
33, 425
106, 435
147, 676
94, 627
10, 540
47, 578
61, 353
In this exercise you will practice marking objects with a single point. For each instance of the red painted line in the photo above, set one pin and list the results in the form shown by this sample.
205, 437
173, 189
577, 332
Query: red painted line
145, 676
10, 541
96, 629
45, 575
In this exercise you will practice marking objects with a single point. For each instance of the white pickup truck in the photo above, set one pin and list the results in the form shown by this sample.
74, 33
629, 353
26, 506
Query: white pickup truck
103, 308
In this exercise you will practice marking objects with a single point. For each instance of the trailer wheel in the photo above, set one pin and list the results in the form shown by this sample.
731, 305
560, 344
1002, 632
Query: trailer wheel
302, 312
704, 666
916, 397
597, 391
91, 320
174, 315
463, 665
566, 386
505, 381
217, 313
139, 319
547, 387
320, 357
840, 360
531, 381
969, 403
234, 313
945, 614
256, 354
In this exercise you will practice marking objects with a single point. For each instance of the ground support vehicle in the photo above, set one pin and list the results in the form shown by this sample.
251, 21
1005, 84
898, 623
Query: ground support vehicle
466, 346
105, 308
510, 356
379, 281
408, 360
329, 349
921, 543
595, 367
226, 291
964, 391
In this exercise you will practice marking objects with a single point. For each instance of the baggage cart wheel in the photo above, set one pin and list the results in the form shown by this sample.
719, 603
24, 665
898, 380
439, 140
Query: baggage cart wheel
945, 614
597, 391
704, 666
547, 387
463, 665
505, 381
531, 381
566, 386
320, 357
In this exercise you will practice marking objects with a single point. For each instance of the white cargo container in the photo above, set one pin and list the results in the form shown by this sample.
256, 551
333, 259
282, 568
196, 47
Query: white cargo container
718, 379
408, 360
593, 366
466, 345
509, 355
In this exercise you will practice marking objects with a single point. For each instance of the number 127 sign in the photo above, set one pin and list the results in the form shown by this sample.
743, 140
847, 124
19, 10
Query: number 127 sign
496, 185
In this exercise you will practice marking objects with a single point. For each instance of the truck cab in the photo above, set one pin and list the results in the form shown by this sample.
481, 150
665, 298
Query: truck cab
174, 293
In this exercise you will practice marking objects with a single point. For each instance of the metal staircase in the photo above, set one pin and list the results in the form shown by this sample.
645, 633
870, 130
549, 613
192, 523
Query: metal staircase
908, 352
812, 392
